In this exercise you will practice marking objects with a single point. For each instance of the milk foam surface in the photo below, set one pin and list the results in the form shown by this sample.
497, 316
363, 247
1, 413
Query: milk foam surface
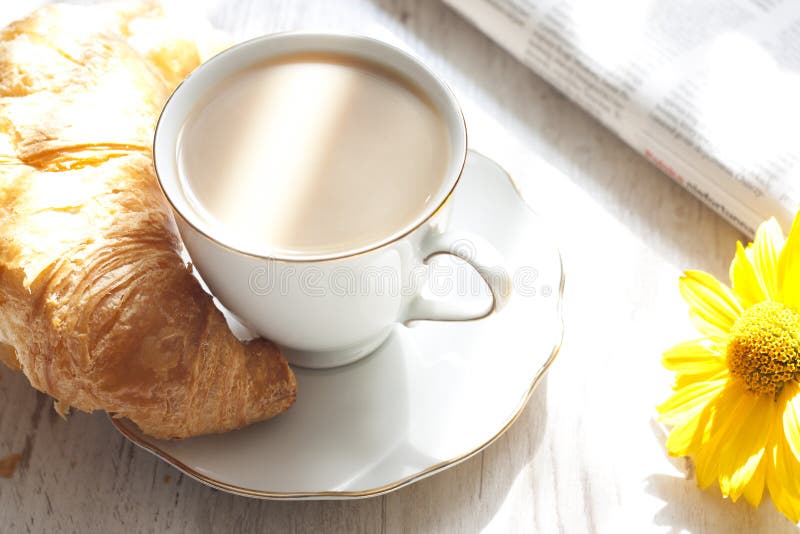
313, 154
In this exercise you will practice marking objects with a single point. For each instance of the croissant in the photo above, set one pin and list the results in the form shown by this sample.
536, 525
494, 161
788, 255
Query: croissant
97, 308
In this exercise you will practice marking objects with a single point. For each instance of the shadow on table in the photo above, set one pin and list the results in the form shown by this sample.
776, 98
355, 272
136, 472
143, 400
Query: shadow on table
687, 508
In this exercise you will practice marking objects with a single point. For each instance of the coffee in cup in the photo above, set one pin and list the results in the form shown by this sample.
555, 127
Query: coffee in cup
313, 153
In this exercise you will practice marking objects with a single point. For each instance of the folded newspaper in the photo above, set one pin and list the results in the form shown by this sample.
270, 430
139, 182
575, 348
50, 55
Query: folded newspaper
707, 91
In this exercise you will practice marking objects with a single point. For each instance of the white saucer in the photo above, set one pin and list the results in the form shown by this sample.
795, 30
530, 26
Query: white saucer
430, 397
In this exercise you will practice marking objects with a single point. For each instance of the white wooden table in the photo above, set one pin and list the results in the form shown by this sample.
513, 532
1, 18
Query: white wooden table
585, 455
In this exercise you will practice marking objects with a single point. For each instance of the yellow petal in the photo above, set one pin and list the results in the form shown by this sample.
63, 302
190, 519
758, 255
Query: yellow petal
791, 418
713, 307
683, 380
783, 474
686, 437
764, 253
691, 420
754, 491
744, 280
743, 450
688, 400
789, 267
730, 405
692, 357
696, 361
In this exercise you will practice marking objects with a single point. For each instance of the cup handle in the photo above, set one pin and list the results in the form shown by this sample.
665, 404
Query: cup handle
483, 257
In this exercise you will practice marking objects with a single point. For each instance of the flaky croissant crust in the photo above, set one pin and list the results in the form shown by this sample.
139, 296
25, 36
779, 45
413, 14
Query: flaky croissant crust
99, 308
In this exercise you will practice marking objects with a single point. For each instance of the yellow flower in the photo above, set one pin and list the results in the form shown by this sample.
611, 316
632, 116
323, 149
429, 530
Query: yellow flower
736, 404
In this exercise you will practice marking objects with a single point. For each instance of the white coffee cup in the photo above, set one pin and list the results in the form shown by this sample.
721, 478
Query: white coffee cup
329, 310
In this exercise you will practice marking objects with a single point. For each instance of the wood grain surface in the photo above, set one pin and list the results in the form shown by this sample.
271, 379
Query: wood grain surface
585, 456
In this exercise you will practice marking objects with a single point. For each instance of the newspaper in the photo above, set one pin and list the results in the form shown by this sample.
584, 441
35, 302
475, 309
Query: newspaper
707, 91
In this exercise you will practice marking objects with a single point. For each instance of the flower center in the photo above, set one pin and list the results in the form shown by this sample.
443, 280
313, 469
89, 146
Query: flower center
764, 347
